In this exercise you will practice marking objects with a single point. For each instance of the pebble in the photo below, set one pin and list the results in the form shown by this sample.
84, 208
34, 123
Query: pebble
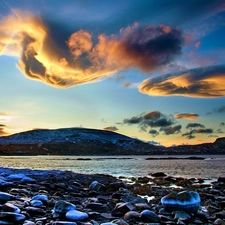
76, 215
66, 198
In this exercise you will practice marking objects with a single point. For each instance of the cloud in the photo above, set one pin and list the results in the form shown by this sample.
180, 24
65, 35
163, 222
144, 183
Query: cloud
112, 128
205, 82
190, 135
171, 130
4, 117
222, 124
153, 119
2, 130
220, 109
133, 120
204, 131
186, 116
79, 59
153, 132
194, 125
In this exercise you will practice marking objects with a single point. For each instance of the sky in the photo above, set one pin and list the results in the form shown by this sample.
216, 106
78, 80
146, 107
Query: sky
152, 70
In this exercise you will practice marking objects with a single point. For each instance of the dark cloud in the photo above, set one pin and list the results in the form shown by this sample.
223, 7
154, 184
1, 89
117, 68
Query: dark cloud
220, 109
153, 119
207, 82
204, 131
222, 124
194, 125
161, 122
153, 132
112, 128
220, 131
186, 116
189, 135
171, 130
133, 120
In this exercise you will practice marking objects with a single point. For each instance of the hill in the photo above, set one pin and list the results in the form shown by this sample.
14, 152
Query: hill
83, 141
73, 141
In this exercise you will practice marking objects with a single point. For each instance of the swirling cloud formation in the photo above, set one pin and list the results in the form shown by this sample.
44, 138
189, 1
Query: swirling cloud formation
82, 61
204, 82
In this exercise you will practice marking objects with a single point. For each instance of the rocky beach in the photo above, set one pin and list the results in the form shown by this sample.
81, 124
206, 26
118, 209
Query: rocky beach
53, 197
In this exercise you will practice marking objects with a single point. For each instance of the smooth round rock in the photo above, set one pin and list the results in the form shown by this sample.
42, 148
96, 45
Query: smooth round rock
36, 203
43, 198
96, 186
62, 206
188, 201
63, 223
149, 216
4, 197
76, 215
11, 217
9, 207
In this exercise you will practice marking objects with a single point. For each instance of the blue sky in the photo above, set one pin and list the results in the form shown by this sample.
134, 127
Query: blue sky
153, 70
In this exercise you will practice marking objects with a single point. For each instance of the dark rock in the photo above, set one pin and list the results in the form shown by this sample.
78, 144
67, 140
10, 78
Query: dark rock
132, 215
122, 208
12, 217
149, 216
158, 174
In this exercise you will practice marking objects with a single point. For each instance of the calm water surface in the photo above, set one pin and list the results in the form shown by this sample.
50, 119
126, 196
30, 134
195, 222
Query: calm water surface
129, 166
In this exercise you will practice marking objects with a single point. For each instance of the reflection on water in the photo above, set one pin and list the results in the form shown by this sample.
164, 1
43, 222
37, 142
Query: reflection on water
131, 166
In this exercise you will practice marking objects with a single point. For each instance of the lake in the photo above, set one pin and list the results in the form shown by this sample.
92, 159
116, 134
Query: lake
128, 166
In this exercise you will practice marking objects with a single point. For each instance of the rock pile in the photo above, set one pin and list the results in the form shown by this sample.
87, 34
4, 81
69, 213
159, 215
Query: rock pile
29, 197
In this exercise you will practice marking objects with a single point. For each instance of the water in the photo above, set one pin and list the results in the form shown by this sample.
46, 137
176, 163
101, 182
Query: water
128, 166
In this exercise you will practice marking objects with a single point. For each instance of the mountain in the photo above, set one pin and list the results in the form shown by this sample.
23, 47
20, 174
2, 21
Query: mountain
73, 141
83, 141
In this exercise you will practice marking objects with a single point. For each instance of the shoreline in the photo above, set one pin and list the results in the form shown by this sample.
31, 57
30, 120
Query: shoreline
100, 202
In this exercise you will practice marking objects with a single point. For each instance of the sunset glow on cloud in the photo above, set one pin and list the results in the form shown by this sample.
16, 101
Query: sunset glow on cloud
27, 37
186, 116
202, 82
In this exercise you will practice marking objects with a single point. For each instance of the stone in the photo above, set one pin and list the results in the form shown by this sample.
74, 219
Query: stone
4, 197
188, 201
122, 208
28, 180
76, 215
132, 215
63, 207
158, 174
149, 216
27, 222
9, 207
36, 203
219, 222
12, 217
62, 223
43, 198
33, 211
96, 186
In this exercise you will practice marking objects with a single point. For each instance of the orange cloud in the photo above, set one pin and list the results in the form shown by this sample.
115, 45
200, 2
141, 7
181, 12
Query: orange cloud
2, 130
206, 82
186, 116
28, 38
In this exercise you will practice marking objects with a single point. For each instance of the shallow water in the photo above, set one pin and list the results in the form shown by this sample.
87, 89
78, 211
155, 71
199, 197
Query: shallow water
128, 166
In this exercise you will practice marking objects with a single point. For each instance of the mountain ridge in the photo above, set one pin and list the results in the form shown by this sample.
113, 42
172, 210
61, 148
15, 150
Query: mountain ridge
86, 141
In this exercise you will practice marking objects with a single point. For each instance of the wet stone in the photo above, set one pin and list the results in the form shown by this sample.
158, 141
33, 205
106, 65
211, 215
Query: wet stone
8, 207
149, 216
76, 215
63, 207
11, 217
43, 198
188, 201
